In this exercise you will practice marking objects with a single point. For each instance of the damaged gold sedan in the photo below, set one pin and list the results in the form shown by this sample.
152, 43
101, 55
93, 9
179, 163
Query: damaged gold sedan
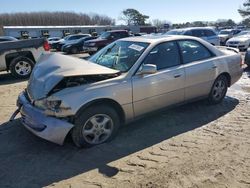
91, 98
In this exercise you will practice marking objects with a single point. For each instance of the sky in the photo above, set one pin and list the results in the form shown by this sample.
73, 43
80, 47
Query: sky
175, 11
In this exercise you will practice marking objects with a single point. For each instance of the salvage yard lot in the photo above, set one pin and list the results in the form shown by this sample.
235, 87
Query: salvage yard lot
195, 145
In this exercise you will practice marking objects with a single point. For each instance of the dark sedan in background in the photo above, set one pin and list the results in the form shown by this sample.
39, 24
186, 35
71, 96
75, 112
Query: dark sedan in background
75, 46
58, 45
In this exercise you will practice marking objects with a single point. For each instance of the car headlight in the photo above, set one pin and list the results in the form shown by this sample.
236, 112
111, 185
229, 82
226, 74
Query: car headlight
52, 106
243, 42
48, 104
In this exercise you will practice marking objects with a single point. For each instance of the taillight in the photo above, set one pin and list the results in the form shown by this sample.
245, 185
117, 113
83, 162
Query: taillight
46, 45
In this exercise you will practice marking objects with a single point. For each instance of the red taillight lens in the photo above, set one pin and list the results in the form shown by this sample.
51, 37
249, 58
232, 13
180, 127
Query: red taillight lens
46, 45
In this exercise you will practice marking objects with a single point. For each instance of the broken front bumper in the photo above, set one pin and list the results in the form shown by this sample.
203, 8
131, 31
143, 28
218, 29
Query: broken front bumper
46, 127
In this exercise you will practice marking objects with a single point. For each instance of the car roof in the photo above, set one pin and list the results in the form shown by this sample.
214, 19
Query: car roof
113, 31
194, 28
157, 38
79, 34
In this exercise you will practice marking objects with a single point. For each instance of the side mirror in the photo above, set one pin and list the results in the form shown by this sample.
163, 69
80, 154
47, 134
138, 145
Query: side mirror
147, 69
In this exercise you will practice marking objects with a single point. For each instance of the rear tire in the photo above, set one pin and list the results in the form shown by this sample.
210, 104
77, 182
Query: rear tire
21, 67
95, 125
219, 90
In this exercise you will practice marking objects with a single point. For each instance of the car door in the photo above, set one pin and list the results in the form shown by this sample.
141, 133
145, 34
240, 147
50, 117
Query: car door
200, 69
163, 88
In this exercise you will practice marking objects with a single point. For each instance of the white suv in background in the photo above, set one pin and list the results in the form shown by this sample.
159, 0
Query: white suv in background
207, 34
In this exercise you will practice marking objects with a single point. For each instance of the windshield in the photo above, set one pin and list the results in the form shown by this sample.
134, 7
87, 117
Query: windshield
105, 35
225, 32
119, 55
175, 32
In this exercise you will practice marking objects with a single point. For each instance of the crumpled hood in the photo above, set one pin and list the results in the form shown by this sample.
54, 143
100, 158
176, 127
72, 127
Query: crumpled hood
53, 67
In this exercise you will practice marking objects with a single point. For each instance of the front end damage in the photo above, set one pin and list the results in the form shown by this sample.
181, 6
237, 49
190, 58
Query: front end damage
43, 113
47, 127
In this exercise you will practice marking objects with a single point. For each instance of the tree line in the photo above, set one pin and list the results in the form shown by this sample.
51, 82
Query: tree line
130, 16
52, 19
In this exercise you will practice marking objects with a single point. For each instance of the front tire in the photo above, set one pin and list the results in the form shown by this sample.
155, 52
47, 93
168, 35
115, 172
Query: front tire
219, 90
21, 67
95, 125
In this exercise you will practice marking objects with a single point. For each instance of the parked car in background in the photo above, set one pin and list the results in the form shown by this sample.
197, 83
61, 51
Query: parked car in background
247, 58
207, 34
140, 34
226, 34
53, 40
105, 38
58, 45
20, 56
240, 41
7, 38
75, 46
123, 81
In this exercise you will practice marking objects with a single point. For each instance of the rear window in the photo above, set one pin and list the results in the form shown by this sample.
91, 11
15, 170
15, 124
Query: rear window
193, 51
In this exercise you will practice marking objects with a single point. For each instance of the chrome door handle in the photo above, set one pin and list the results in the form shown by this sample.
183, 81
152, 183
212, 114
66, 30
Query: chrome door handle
177, 75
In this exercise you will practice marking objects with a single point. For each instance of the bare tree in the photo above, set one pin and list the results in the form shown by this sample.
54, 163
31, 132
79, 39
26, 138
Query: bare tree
52, 18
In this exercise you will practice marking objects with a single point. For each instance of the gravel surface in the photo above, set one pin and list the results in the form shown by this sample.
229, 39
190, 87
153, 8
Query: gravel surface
195, 145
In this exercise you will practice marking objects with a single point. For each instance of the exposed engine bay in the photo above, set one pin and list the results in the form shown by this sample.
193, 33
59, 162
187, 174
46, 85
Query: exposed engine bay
74, 81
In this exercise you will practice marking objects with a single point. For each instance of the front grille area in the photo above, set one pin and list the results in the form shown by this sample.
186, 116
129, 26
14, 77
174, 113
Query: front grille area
234, 42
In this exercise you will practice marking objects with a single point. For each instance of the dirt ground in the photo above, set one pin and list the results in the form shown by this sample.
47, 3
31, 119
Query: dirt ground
192, 146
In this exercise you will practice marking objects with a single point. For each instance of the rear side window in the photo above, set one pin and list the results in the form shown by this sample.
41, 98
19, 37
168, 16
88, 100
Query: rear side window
209, 33
193, 51
164, 55
188, 33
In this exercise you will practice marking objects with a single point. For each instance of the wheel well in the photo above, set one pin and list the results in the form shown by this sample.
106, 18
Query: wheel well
227, 75
10, 57
108, 102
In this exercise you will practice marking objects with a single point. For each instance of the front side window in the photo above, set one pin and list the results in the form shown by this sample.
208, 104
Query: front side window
76, 37
164, 55
119, 55
210, 33
193, 51
116, 35
225, 32
105, 35
198, 33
